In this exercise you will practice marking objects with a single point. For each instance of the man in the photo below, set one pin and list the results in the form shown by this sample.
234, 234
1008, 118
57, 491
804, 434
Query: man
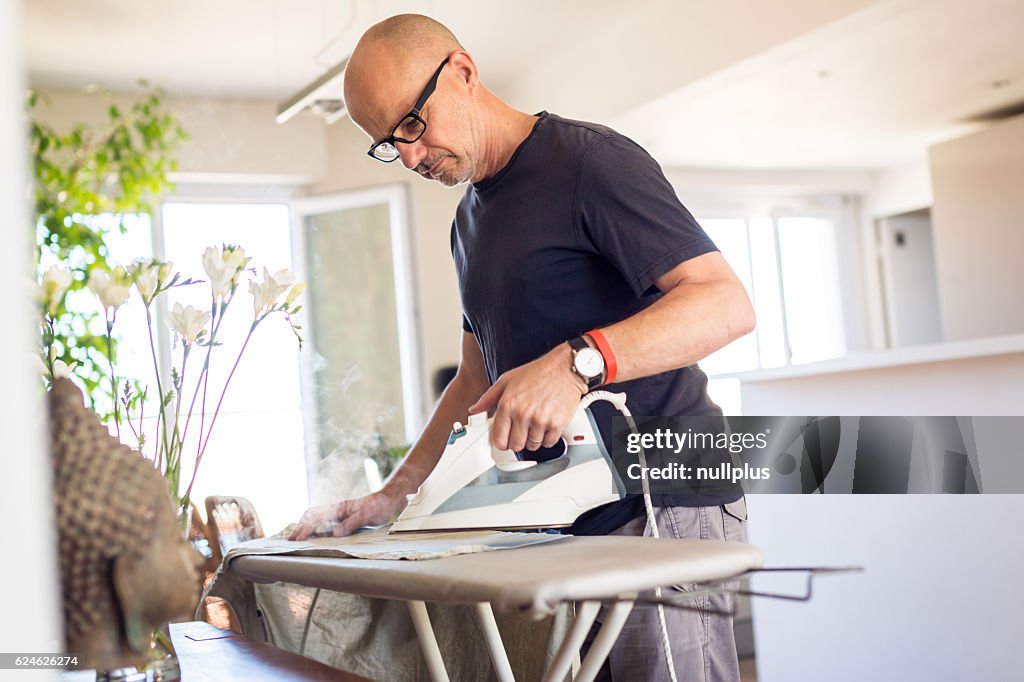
568, 239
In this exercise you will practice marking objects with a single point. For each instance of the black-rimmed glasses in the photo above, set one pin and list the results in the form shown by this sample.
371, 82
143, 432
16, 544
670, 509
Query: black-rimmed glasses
410, 128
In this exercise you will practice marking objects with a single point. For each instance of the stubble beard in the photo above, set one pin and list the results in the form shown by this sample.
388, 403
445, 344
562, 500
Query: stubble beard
453, 174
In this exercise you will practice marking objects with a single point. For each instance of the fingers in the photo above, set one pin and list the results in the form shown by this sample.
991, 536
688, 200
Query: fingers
349, 526
500, 428
535, 437
552, 436
358, 513
518, 431
489, 399
347, 517
300, 532
531, 404
316, 519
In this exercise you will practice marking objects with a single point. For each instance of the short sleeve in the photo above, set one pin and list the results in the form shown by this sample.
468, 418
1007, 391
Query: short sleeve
627, 211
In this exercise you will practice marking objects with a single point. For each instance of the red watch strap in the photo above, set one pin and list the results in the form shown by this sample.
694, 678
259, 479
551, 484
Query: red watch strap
610, 365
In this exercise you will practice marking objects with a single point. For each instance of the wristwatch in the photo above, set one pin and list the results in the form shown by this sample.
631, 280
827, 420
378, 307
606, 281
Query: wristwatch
587, 362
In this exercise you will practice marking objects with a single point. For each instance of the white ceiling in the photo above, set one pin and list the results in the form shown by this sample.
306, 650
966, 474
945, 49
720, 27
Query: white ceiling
871, 84
870, 90
270, 48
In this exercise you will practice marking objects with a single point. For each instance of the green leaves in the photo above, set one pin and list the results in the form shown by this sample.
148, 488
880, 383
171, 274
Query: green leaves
119, 167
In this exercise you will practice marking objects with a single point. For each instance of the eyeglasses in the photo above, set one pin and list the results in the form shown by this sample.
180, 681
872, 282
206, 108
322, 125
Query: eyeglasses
410, 128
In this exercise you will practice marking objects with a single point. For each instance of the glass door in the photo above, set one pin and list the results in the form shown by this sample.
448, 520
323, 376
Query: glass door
362, 387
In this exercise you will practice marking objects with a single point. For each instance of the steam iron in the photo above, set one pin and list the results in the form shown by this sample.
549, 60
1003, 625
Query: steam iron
476, 487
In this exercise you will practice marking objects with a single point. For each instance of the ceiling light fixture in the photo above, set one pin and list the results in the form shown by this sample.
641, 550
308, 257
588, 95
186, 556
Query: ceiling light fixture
322, 97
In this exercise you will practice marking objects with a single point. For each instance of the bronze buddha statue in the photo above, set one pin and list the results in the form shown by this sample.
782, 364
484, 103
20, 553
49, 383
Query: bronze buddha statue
125, 566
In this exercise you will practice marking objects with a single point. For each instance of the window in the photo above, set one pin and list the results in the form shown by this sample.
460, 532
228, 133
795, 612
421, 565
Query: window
123, 246
256, 449
788, 262
354, 390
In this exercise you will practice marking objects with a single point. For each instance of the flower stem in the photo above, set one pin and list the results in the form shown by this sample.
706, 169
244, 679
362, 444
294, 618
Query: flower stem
177, 443
128, 418
49, 347
162, 417
113, 379
215, 321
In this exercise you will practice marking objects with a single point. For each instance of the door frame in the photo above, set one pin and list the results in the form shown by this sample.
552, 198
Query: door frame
406, 302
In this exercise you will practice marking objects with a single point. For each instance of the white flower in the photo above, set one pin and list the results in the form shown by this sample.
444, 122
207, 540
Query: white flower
222, 267
147, 278
266, 293
164, 271
187, 322
111, 287
53, 287
235, 258
150, 276
217, 271
61, 369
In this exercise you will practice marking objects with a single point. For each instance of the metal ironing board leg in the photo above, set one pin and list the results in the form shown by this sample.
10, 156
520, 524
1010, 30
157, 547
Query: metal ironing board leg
606, 637
586, 612
495, 647
428, 642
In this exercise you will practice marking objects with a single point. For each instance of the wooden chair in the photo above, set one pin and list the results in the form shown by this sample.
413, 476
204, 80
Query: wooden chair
229, 521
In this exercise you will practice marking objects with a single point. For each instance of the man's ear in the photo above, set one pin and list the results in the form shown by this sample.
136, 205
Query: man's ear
128, 590
462, 63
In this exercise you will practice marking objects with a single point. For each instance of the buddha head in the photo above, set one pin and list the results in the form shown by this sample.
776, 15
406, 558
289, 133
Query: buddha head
125, 566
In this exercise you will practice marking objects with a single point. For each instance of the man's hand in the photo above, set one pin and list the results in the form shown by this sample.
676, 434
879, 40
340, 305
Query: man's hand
348, 516
534, 403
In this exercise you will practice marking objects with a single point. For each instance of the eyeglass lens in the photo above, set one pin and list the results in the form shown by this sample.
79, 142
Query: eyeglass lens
408, 130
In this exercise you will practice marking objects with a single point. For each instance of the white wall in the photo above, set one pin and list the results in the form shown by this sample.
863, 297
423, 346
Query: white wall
902, 188
29, 589
230, 140
987, 385
978, 218
941, 597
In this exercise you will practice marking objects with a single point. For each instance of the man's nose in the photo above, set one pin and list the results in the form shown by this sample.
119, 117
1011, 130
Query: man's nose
412, 153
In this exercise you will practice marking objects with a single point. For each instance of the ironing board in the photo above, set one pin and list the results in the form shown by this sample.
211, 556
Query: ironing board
533, 579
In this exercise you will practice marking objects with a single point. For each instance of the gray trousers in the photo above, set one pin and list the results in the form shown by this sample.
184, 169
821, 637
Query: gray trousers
703, 645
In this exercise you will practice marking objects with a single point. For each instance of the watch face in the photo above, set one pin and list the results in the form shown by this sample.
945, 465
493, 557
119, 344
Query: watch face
589, 362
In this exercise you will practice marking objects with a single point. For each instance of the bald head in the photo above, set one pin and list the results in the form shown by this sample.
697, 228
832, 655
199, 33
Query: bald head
414, 33
399, 51
459, 132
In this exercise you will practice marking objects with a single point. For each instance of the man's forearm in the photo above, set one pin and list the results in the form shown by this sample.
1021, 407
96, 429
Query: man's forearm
684, 326
424, 454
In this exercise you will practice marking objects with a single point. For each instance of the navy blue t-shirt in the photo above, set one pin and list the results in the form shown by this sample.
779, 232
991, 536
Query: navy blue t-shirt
570, 236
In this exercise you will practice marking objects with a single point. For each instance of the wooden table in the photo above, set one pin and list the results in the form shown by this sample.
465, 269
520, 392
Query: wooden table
209, 653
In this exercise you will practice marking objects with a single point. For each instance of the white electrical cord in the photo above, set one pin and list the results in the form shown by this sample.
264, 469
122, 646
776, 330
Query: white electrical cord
619, 401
